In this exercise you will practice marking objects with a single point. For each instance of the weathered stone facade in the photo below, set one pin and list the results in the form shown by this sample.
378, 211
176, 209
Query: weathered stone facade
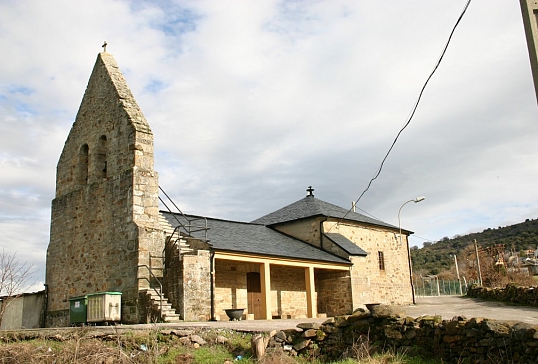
105, 214
370, 283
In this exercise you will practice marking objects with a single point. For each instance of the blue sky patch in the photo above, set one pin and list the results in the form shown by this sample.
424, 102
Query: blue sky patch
19, 89
176, 19
155, 86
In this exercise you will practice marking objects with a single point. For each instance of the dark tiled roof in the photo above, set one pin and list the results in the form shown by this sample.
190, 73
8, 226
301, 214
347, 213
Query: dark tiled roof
346, 244
252, 238
310, 207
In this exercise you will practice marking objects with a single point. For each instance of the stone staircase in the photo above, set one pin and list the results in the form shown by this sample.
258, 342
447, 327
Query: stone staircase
168, 313
157, 299
169, 231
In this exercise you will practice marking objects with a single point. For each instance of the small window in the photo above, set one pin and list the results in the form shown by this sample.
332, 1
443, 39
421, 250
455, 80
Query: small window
100, 158
381, 260
82, 165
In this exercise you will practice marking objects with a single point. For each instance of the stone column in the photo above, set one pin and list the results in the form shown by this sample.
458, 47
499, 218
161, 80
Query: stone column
311, 306
265, 277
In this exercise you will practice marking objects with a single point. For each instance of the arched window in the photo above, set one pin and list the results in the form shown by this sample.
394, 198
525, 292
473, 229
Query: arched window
100, 158
82, 165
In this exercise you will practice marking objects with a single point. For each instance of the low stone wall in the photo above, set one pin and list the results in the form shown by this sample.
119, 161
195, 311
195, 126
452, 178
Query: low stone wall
459, 340
512, 293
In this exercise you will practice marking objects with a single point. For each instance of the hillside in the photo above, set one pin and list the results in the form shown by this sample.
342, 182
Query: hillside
436, 257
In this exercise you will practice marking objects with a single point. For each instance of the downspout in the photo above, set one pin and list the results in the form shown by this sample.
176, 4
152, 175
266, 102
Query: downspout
44, 321
212, 283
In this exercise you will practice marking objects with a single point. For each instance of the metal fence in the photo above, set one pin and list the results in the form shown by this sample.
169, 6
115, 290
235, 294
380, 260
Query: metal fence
434, 286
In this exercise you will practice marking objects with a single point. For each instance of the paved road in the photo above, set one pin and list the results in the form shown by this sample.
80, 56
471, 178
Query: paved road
451, 306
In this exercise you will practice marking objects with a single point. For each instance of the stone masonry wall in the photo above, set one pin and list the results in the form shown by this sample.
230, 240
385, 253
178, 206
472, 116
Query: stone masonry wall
288, 292
105, 214
459, 340
196, 287
334, 292
231, 285
187, 283
369, 283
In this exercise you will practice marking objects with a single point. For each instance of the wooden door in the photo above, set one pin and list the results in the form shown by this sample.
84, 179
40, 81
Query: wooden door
254, 294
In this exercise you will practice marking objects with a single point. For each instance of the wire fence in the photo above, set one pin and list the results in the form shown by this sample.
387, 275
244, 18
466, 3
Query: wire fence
434, 286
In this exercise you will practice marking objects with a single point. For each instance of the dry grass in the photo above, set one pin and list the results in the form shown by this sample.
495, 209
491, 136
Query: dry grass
86, 346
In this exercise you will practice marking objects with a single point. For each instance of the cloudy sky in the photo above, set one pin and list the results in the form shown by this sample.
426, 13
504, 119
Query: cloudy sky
251, 102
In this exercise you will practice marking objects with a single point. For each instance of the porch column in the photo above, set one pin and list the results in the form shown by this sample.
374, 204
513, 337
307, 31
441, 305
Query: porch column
311, 305
265, 278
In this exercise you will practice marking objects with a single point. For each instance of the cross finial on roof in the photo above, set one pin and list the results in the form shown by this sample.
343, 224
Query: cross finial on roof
310, 190
104, 46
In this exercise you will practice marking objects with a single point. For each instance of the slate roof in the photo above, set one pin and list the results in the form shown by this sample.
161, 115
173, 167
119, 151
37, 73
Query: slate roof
346, 244
244, 237
310, 207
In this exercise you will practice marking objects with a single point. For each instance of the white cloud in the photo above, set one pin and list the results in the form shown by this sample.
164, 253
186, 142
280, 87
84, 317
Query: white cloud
250, 103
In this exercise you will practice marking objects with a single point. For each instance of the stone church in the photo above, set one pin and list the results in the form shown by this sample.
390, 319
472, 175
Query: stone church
108, 235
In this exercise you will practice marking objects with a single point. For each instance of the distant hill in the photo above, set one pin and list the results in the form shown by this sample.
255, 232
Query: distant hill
435, 257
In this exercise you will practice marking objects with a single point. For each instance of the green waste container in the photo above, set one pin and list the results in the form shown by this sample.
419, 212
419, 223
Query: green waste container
77, 310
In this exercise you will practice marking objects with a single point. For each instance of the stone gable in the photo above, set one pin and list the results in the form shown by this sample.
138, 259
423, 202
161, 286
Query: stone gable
105, 214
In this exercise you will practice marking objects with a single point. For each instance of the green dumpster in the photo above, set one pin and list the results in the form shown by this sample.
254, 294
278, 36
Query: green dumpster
77, 310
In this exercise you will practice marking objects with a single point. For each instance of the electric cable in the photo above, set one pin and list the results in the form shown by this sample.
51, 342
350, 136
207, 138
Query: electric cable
413, 110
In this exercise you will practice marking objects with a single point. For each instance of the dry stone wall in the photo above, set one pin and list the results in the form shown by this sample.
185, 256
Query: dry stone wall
460, 340
512, 293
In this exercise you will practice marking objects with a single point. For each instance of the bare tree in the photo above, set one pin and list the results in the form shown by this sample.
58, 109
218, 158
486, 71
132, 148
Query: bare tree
14, 276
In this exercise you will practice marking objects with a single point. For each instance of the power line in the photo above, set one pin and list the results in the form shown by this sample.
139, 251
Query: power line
413, 110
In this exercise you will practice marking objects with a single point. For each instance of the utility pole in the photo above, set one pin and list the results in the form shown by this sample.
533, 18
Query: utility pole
478, 263
529, 10
458, 273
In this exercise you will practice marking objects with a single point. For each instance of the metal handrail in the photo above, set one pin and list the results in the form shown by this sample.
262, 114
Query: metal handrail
187, 228
168, 249
160, 293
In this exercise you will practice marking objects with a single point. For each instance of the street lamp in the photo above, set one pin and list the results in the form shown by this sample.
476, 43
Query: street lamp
415, 200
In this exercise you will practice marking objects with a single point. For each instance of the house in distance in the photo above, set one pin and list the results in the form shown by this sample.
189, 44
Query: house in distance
108, 235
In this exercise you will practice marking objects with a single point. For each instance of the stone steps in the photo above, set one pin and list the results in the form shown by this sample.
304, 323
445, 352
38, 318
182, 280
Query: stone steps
168, 313
169, 230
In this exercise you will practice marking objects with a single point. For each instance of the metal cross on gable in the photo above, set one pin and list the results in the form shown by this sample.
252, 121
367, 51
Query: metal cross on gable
104, 46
